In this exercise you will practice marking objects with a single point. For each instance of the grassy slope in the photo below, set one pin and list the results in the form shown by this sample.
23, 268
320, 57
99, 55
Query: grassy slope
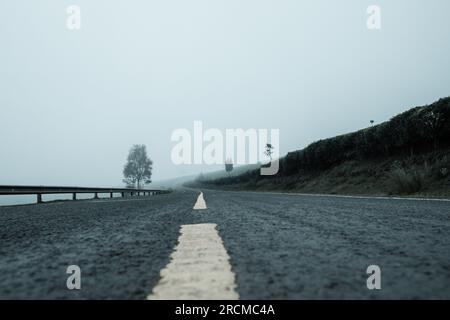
398, 157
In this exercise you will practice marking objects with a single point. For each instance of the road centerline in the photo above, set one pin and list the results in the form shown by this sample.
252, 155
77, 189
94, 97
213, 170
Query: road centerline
200, 204
199, 268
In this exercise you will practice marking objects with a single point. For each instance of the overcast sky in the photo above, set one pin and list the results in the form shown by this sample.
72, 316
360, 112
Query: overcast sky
73, 102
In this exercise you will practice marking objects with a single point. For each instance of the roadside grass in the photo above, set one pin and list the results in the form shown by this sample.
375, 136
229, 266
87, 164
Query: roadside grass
409, 181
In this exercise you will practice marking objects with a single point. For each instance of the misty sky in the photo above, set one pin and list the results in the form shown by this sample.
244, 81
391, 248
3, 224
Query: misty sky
73, 102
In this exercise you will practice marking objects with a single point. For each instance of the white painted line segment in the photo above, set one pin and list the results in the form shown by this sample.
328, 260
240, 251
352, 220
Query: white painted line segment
199, 268
360, 197
200, 204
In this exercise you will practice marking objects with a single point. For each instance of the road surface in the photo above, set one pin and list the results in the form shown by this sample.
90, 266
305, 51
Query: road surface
261, 246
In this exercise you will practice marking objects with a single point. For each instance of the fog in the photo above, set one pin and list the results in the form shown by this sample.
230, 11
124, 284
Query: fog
73, 102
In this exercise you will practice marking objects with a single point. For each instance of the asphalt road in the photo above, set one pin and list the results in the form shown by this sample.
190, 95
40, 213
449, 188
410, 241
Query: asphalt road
280, 246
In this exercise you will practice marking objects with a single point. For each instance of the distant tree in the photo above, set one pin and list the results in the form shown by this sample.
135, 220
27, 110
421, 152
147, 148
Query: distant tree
138, 169
228, 165
269, 150
200, 177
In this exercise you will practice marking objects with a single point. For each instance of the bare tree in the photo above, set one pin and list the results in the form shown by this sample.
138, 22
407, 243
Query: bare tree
269, 150
138, 168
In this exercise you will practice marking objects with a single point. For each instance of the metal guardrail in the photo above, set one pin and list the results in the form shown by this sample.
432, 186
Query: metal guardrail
40, 190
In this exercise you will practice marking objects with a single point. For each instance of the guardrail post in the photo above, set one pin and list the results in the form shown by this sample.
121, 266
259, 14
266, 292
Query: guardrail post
110, 194
96, 195
123, 194
39, 198
74, 196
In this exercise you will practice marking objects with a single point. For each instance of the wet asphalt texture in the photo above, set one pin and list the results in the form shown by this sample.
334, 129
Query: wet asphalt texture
281, 246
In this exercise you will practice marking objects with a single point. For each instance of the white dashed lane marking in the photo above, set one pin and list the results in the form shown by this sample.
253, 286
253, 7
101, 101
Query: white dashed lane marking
199, 268
200, 204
